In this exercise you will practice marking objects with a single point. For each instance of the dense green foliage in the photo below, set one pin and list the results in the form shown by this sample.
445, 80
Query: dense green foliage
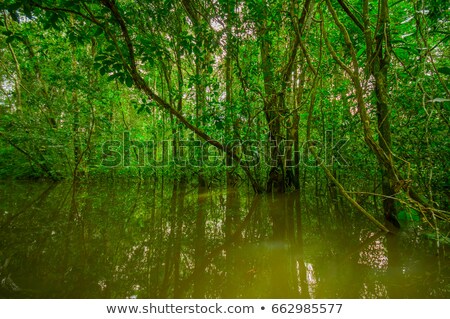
271, 89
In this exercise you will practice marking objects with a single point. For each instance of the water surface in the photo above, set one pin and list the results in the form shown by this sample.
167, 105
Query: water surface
148, 240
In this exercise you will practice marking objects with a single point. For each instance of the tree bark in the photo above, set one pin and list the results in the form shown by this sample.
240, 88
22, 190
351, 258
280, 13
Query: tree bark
378, 62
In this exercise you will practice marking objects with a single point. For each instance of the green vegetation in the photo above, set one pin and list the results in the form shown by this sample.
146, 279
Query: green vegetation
280, 94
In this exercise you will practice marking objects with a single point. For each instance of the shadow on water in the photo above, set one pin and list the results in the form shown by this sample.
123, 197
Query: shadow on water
128, 240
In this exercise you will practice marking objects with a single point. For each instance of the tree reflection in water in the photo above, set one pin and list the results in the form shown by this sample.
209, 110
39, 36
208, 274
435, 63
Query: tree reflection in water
142, 240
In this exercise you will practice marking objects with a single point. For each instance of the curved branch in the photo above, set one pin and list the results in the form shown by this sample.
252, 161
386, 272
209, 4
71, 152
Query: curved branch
37, 5
143, 86
351, 15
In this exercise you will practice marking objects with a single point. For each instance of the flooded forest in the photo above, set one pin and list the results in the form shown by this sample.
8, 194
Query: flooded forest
224, 149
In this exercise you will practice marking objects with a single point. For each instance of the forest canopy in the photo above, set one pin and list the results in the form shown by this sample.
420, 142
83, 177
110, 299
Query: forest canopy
276, 94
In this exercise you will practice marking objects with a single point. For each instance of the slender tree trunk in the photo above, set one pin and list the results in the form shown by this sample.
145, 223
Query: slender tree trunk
178, 151
201, 61
229, 121
379, 69
271, 110
76, 118
297, 99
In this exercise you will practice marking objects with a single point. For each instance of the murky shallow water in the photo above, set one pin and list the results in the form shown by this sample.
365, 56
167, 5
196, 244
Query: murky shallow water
129, 240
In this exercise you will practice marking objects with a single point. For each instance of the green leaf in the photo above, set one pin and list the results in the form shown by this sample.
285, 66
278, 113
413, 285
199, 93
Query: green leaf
53, 19
444, 70
141, 109
27, 10
100, 57
219, 125
361, 51
197, 51
112, 77
107, 62
98, 32
408, 215
118, 67
129, 81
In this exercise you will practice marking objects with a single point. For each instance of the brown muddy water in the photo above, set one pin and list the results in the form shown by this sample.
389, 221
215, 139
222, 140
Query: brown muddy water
146, 240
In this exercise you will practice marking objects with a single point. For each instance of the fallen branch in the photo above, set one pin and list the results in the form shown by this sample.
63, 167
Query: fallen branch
345, 193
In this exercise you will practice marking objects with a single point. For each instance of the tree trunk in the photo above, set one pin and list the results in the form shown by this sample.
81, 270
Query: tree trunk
379, 70
272, 112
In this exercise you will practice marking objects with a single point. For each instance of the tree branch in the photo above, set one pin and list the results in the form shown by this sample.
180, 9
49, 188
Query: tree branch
351, 15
